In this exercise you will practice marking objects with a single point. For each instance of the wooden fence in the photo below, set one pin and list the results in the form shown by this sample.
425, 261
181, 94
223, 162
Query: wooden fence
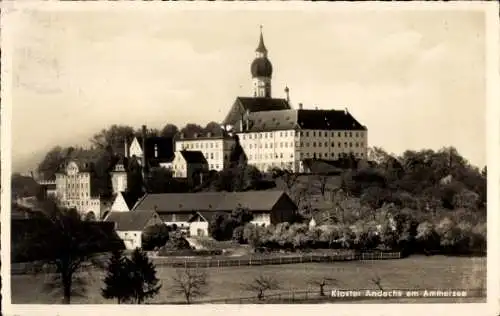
261, 260
193, 262
313, 295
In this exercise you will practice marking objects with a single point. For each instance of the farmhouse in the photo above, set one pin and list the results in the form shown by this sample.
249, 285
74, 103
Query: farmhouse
195, 210
130, 225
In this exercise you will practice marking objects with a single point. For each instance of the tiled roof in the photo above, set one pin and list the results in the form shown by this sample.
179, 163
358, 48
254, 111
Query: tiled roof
193, 156
132, 220
250, 104
206, 201
219, 134
178, 217
301, 119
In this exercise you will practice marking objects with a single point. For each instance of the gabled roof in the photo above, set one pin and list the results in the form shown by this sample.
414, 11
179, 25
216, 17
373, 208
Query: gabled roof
206, 215
254, 104
131, 221
301, 119
193, 156
130, 198
211, 201
164, 149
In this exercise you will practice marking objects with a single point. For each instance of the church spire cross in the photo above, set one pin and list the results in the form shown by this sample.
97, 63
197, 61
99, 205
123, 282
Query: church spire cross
261, 48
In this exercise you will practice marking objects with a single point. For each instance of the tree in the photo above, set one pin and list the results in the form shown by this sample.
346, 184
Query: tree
378, 282
261, 284
213, 127
155, 236
115, 137
169, 130
51, 162
143, 283
323, 182
321, 283
288, 177
117, 280
191, 129
69, 244
191, 283
159, 180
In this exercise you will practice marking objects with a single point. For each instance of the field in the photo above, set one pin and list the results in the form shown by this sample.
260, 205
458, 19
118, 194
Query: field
417, 272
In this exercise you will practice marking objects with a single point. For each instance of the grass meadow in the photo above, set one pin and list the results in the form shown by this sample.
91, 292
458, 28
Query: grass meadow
416, 272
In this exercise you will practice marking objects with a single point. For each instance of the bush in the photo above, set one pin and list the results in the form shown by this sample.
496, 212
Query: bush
155, 236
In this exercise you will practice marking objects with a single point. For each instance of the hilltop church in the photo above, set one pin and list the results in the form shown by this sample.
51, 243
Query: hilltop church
274, 134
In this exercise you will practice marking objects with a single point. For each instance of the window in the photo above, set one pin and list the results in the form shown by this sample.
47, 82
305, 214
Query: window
243, 136
333, 134
314, 133
350, 134
260, 135
340, 135
333, 155
345, 134
319, 144
314, 144
211, 155
307, 134
319, 134
297, 144
357, 144
286, 145
301, 155
281, 145
357, 134
350, 144
339, 144
281, 155
319, 155
270, 145
301, 144
301, 133
265, 145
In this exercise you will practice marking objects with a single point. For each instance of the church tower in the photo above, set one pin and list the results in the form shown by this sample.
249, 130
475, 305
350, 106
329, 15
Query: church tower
262, 71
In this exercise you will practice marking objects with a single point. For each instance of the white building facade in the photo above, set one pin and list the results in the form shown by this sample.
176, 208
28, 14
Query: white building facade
287, 148
215, 149
74, 189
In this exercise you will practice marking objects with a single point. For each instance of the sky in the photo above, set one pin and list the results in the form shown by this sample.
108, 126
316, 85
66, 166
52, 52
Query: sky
416, 79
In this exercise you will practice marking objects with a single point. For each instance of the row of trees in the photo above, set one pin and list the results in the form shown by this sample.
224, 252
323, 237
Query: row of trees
113, 139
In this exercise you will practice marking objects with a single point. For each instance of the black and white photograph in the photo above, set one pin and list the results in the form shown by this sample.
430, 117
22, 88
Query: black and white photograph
247, 154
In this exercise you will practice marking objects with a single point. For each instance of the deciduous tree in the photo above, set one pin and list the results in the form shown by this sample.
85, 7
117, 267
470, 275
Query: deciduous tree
190, 283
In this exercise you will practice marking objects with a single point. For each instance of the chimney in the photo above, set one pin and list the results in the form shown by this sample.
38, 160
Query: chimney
346, 111
209, 134
287, 94
126, 147
182, 135
195, 135
301, 106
